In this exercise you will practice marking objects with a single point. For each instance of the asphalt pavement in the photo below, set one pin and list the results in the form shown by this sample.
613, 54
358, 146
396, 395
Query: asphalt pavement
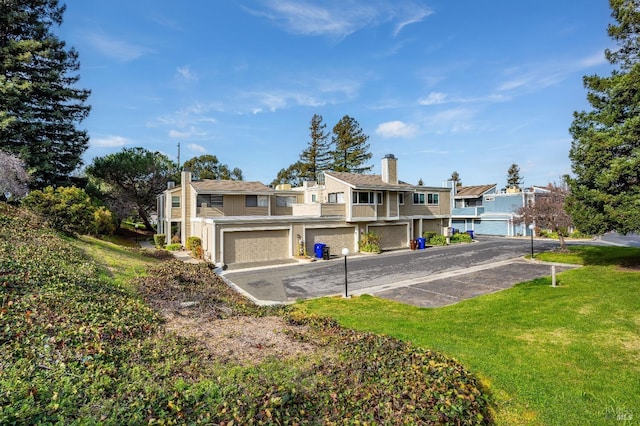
433, 277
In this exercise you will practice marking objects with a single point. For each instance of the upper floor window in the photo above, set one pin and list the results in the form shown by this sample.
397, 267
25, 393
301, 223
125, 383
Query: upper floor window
433, 199
285, 200
336, 197
367, 197
256, 201
423, 198
401, 198
418, 198
175, 201
210, 200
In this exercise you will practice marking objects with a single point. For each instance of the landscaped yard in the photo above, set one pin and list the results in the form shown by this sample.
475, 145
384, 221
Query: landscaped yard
568, 355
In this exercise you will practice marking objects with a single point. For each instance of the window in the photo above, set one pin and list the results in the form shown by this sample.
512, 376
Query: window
336, 197
433, 199
401, 197
418, 198
175, 201
256, 201
210, 200
285, 200
314, 198
366, 197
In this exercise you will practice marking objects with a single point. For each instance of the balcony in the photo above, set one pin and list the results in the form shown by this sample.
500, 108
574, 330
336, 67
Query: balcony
467, 211
318, 209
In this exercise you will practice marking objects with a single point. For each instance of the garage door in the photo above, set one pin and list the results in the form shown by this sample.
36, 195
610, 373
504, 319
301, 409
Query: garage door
492, 227
391, 236
335, 238
256, 246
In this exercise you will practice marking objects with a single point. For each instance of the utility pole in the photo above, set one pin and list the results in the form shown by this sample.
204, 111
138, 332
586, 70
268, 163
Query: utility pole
178, 156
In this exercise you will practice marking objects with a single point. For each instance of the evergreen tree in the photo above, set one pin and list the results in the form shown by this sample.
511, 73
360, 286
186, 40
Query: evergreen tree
605, 151
208, 167
351, 150
316, 158
39, 104
294, 175
513, 176
455, 177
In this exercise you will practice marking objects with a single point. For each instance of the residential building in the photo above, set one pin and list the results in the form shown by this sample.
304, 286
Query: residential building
486, 210
242, 222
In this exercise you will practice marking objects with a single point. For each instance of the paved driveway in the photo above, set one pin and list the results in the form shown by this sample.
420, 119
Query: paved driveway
436, 276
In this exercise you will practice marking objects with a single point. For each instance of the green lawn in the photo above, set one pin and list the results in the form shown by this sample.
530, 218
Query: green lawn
568, 355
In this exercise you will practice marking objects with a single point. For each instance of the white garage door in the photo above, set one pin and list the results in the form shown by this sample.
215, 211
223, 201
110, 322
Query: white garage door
391, 236
255, 246
335, 238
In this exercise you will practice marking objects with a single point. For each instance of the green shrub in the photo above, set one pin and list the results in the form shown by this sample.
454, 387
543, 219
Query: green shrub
438, 240
159, 240
427, 235
461, 238
173, 247
578, 234
103, 222
370, 242
192, 243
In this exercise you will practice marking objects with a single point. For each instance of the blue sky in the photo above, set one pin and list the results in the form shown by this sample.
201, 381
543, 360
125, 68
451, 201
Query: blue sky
471, 86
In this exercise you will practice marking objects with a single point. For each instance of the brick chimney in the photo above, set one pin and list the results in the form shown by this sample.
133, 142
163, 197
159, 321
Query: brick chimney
390, 169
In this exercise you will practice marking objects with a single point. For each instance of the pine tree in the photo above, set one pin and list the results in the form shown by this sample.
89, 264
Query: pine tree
316, 158
40, 106
351, 150
605, 151
513, 176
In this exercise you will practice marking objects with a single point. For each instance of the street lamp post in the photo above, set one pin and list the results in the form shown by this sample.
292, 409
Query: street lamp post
531, 228
345, 253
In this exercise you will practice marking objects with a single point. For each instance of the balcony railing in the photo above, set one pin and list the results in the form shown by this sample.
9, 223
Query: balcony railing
467, 211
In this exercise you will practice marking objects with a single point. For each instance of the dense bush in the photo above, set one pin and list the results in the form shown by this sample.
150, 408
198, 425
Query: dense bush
438, 240
173, 247
370, 242
461, 237
427, 235
194, 245
78, 349
159, 240
70, 210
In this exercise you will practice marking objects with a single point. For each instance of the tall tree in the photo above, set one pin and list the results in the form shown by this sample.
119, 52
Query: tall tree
294, 175
351, 150
455, 177
513, 176
40, 107
208, 167
134, 175
316, 158
13, 177
605, 151
547, 211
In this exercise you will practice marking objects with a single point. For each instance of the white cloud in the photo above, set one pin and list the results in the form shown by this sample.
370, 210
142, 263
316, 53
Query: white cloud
197, 148
186, 134
392, 129
185, 73
340, 19
109, 142
117, 49
434, 98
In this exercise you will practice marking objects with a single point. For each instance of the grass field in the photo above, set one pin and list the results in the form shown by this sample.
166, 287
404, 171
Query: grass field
568, 355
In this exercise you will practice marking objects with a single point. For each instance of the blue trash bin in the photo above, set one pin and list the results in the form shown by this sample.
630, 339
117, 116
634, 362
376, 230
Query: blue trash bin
470, 232
422, 243
318, 249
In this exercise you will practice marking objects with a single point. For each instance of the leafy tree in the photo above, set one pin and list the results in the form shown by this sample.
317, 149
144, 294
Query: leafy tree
295, 175
420, 182
455, 177
513, 176
605, 151
351, 150
70, 210
40, 106
208, 167
135, 175
13, 177
547, 211
316, 158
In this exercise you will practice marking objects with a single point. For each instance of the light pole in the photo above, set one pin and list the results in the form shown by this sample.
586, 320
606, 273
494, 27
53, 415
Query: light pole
531, 228
345, 253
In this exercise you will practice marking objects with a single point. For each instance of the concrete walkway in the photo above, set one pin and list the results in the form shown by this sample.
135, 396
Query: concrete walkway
183, 255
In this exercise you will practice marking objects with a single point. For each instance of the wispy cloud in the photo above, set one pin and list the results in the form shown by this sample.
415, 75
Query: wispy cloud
186, 133
340, 19
118, 49
185, 73
392, 129
197, 148
109, 141
434, 98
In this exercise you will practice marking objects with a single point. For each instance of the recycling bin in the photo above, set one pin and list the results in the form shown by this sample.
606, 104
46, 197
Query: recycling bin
470, 232
326, 253
318, 249
422, 242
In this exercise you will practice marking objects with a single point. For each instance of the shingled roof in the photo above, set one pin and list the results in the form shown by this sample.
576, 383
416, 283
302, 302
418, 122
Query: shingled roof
230, 186
360, 181
473, 191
